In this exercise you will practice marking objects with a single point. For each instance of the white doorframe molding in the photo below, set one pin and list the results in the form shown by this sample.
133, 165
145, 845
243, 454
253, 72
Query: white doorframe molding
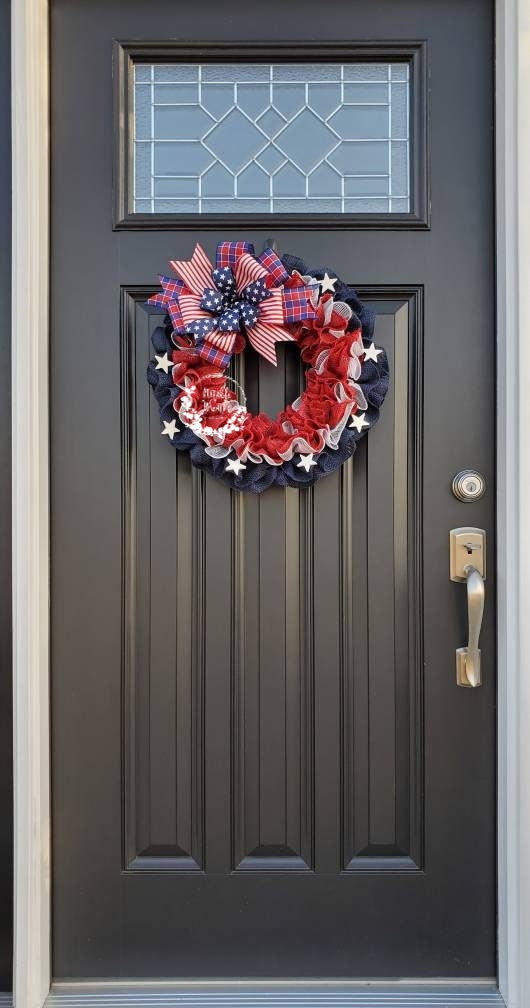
30, 325
513, 494
30, 238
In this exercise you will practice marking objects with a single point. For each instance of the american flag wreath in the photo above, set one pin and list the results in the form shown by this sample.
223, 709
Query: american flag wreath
210, 314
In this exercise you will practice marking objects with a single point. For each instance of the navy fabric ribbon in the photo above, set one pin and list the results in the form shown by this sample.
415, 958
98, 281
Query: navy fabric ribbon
231, 311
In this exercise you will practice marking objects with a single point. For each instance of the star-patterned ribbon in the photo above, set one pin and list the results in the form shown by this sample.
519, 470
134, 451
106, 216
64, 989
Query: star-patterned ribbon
231, 311
249, 296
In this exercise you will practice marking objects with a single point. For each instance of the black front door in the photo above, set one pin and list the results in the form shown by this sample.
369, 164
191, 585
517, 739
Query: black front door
262, 764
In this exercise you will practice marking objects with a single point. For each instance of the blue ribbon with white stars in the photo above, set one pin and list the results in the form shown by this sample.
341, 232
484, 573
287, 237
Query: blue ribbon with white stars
231, 310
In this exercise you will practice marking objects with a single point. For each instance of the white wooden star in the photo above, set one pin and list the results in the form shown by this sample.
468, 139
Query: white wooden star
328, 283
170, 428
163, 363
306, 461
372, 352
234, 465
359, 422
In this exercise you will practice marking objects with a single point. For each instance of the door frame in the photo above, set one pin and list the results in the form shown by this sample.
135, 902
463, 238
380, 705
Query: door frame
30, 262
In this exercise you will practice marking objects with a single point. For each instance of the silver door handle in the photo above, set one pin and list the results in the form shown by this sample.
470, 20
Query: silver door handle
468, 564
468, 658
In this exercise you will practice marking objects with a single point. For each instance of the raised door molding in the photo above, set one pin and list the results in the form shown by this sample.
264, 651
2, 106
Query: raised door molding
371, 541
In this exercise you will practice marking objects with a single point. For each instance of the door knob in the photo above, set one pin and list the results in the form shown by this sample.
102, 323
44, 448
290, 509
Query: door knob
467, 552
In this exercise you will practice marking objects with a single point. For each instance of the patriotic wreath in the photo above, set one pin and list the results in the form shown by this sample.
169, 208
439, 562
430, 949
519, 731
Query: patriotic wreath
210, 312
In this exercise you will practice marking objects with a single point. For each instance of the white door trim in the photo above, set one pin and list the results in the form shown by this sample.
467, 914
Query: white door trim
513, 495
30, 66
276, 994
30, 119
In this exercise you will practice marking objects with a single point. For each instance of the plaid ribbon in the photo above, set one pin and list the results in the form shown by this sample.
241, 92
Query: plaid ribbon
228, 253
167, 299
171, 288
297, 304
186, 352
213, 354
274, 266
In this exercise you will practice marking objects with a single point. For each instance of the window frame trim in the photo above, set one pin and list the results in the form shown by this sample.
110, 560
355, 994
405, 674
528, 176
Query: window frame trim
127, 53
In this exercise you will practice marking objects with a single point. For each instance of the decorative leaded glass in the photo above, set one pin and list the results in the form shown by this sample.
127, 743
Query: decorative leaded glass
282, 138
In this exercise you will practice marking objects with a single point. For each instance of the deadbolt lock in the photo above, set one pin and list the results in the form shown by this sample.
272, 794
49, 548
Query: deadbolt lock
469, 485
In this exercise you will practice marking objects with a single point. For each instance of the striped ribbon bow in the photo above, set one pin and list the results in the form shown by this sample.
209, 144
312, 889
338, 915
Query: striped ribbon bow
243, 294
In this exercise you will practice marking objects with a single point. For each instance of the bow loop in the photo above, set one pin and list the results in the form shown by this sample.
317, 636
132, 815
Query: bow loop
224, 279
212, 301
229, 320
211, 353
201, 327
277, 272
228, 253
249, 314
297, 304
255, 292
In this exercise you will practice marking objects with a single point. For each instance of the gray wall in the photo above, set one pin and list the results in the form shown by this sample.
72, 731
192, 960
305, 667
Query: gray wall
6, 789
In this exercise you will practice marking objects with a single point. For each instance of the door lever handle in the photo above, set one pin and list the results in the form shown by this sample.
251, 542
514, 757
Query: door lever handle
468, 564
468, 658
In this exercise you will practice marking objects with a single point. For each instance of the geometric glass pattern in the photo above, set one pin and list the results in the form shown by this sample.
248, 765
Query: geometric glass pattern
271, 138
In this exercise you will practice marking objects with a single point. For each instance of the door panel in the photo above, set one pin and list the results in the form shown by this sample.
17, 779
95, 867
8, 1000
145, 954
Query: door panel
262, 765
326, 610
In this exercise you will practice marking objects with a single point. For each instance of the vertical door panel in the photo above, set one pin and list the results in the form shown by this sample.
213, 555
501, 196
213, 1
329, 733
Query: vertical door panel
295, 606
